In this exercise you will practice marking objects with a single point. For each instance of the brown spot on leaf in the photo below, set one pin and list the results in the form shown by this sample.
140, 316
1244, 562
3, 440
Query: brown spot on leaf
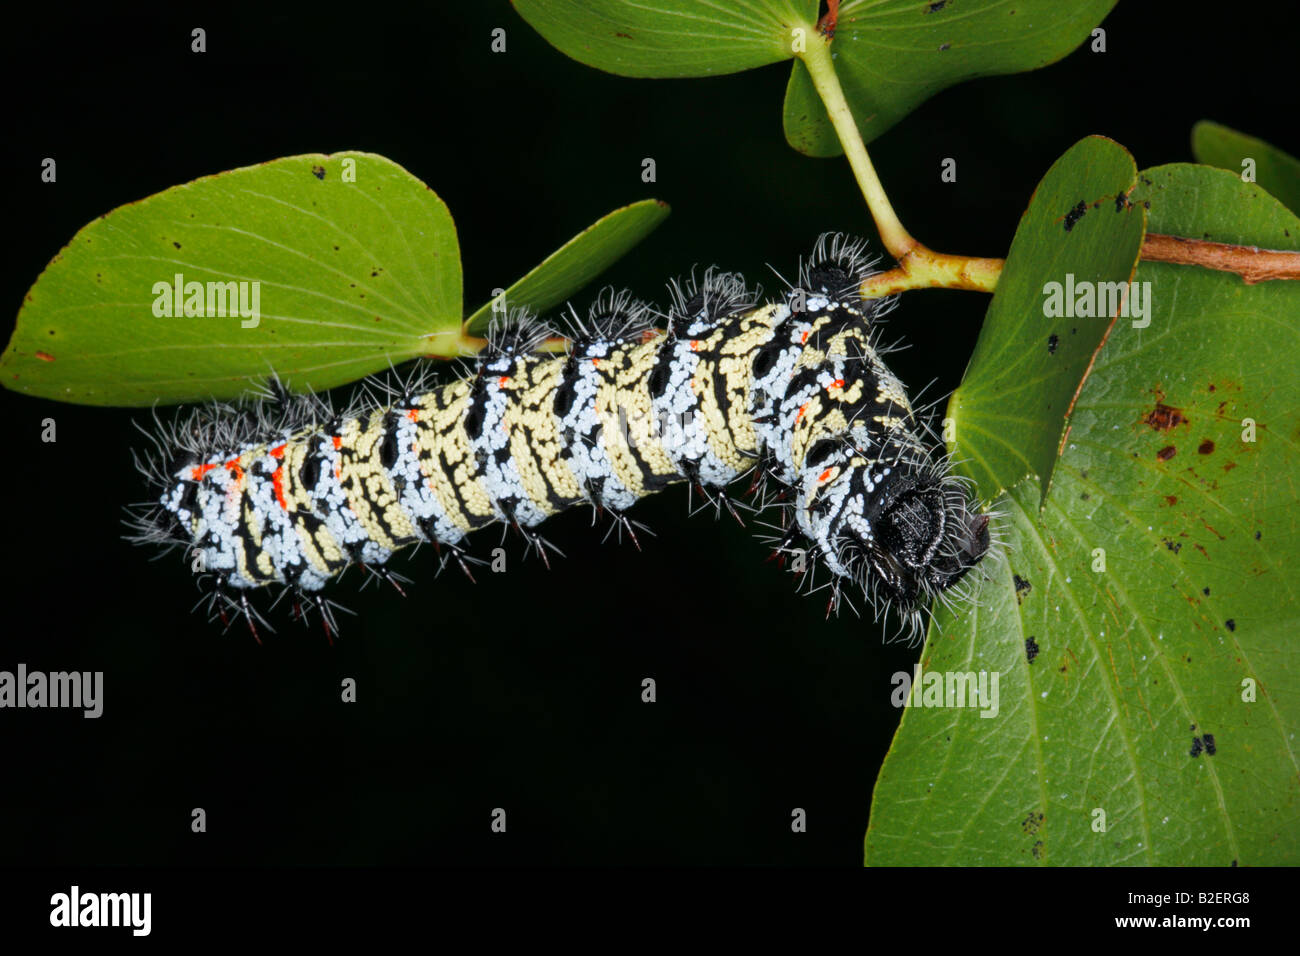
1206, 447
1164, 454
1209, 527
318, 172
1164, 417
45, 356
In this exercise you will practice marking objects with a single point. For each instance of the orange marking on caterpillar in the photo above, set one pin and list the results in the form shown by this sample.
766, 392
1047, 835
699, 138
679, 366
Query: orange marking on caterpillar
277, 452
199, 471
696, 345
595, 363
413, 415
838, 383
802, 408
821, 479
338, 442
277, 482
803, 339
503, 381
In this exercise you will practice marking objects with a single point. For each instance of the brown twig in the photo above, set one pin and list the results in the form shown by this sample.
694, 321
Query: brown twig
919, 268
1250, 262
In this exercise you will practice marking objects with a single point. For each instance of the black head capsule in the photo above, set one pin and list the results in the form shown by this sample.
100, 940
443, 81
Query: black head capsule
903, 535
930, 539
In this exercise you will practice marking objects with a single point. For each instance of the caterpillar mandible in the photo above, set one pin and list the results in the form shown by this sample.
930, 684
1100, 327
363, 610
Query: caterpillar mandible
290, 493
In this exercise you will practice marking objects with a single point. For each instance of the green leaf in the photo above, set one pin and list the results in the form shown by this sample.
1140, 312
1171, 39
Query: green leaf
671, 38
890, 55
807, 126
577, 262
1079, 231
1099, 751
349, 276
1276, 171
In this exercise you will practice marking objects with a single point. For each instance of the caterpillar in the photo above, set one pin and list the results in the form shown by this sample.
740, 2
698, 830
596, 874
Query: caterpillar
286, 492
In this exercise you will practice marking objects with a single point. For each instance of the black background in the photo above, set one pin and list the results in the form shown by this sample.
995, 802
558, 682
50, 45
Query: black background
522, 691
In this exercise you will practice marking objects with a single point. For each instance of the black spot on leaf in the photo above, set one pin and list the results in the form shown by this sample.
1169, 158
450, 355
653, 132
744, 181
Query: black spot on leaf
1075, 214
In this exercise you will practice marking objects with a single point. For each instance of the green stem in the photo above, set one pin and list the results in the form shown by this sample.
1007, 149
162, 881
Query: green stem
918, 266
817, 58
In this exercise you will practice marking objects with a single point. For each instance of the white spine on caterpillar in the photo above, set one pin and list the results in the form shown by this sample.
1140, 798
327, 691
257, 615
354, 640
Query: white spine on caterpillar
795, 388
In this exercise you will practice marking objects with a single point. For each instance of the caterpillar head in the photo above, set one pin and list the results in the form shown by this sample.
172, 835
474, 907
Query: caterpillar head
900, 532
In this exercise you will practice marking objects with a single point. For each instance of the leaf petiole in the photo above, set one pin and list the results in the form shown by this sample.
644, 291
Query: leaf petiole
918, 266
